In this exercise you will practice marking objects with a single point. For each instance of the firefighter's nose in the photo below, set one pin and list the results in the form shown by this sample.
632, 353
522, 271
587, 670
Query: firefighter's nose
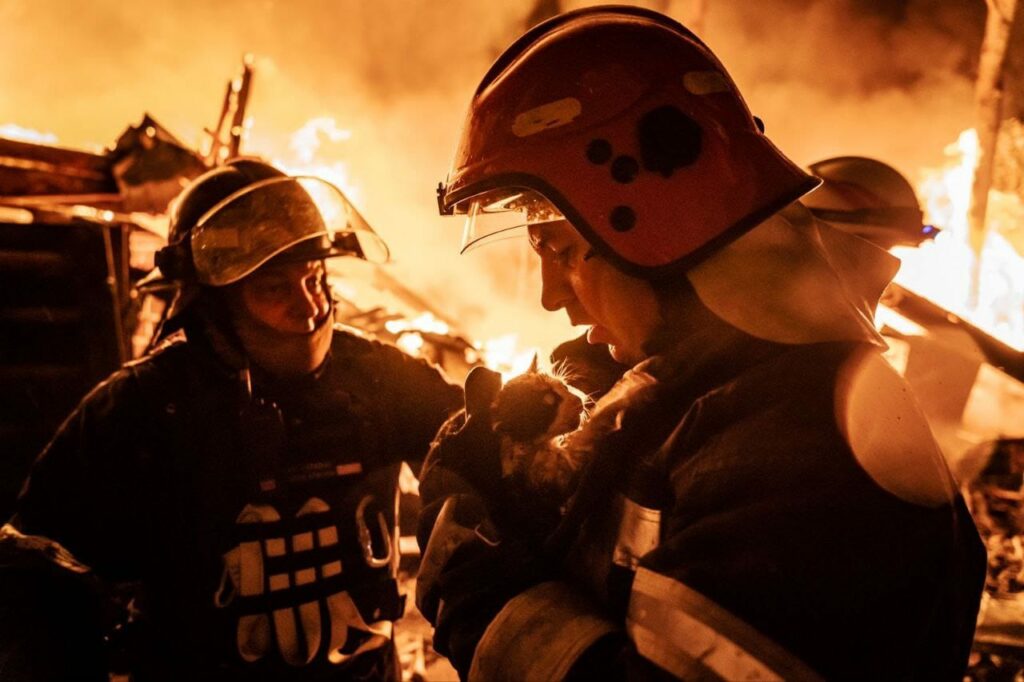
555, 289
309, 303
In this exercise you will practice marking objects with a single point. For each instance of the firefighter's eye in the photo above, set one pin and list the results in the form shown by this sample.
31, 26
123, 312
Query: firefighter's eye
274, 289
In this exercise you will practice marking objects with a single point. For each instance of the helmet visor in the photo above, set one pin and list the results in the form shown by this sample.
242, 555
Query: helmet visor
502, 214
265, 219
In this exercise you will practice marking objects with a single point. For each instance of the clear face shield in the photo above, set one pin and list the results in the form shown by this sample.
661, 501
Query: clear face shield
503, 214
266, 219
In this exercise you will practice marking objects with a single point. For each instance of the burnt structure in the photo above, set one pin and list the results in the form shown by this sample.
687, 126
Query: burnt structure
67, 312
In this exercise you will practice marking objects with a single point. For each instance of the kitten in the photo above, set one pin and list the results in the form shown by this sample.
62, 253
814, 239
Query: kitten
530, 413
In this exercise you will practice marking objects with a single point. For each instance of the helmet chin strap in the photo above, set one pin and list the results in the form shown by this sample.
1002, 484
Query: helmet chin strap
283, 355
247, 345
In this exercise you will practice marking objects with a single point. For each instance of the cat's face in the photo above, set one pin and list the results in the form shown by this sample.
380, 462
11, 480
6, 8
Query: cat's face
536, 406
570, 409
622, 311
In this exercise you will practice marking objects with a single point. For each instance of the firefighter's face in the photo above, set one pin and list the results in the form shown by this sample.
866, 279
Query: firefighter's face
282, 316
622, 311
287, 297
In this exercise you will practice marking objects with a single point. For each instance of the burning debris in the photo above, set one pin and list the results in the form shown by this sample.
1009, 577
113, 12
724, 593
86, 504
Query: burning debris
995, 495
960, 343
944, 270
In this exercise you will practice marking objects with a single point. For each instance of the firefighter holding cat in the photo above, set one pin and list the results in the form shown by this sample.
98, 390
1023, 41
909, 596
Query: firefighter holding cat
760, 497
239, 484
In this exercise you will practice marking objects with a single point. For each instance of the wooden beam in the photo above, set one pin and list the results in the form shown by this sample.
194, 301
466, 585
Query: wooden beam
988, 98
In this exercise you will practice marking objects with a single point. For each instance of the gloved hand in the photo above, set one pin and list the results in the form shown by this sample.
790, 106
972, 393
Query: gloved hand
470, 569
53, 613
466, 455
468, 573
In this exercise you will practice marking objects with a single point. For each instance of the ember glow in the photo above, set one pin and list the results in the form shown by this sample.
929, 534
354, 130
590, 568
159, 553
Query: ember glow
943, 270
423, 323
306, 158
504, 354
13, 131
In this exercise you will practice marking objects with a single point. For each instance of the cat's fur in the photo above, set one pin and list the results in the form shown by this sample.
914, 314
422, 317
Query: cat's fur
530, 414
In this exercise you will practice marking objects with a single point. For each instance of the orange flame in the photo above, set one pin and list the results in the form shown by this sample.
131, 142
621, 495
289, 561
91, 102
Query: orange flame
13, 131
941, 270
503, 354
305, 159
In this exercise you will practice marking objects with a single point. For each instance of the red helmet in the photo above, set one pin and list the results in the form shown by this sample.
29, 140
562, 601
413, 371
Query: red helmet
630, 127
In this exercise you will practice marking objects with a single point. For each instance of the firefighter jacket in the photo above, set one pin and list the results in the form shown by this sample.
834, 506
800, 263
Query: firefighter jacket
258, 526
752, 510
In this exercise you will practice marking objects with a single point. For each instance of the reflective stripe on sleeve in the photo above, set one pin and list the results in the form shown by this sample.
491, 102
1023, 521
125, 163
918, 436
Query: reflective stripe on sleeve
692, 637
538, 635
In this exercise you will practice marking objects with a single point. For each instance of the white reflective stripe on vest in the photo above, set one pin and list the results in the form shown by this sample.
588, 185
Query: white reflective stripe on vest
692, 637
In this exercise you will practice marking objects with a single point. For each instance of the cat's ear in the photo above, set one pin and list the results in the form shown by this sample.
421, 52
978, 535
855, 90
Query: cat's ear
534, 364
482, 386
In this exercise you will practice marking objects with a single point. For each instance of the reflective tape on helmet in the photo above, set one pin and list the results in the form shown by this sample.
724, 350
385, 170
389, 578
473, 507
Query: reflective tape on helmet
692, 637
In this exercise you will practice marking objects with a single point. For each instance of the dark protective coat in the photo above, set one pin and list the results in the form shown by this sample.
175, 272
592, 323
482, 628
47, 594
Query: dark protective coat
257, 546
725, 524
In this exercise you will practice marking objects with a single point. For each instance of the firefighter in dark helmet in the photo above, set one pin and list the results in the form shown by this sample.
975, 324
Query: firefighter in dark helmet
238, 484
760, 496
870, 199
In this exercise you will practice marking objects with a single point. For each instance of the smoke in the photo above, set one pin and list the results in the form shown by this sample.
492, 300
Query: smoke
886, 79
892, 80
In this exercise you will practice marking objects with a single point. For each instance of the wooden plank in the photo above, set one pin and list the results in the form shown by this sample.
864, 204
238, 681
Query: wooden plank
20, 179
988, 100
94, 200
58, 156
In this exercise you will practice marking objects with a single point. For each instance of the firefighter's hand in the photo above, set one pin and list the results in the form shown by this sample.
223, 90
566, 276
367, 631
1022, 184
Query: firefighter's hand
468, 573
52, 613
465, 457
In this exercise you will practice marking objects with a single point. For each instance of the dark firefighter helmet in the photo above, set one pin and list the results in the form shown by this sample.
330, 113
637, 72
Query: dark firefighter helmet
870, 199
623, 122
235, 218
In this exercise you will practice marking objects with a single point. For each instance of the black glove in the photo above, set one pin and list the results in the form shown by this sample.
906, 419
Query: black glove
466, 455
468, 573
53, 613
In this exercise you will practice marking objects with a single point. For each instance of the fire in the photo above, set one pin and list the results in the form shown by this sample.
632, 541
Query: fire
942, 270
306, 140
503, 354
411, 343
13, 131
423, 323
409, 335
306, 159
